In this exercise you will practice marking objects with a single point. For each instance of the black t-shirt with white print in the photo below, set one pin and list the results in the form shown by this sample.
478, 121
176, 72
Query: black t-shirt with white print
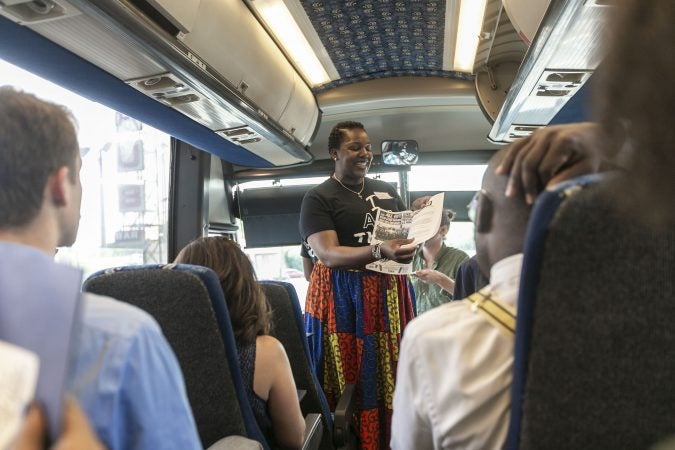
330, 206
307, 252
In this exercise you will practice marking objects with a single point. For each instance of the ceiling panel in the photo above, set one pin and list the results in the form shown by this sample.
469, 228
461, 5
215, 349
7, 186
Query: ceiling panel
370, 39
407, 108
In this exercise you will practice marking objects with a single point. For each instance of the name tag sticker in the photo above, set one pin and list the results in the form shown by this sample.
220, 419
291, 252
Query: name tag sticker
382, 195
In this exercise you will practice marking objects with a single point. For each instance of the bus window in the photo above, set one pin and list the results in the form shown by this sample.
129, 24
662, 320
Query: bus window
279, 263
125, 179
450, 178
282, 263
285, 263
446, 178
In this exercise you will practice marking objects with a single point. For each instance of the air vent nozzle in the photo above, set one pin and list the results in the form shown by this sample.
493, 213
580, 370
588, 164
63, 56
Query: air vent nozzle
241, 135
560, 83
518, 131
167, 88
35, 11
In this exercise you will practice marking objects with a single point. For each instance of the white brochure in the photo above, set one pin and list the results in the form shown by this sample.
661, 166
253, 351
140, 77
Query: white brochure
419, 225
18, 379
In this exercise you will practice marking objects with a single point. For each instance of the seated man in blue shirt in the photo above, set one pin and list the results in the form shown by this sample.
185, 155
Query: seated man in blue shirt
125, 376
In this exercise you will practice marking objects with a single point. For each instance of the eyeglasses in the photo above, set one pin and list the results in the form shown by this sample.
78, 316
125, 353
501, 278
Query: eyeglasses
472, 207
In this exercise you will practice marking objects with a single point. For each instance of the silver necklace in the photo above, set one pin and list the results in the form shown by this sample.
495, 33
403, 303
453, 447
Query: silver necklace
363, 185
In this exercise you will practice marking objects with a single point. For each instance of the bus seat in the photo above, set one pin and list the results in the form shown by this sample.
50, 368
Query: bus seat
236, 443
543, 212
201, 335
180, 299
314, 428
594, 328
289, 328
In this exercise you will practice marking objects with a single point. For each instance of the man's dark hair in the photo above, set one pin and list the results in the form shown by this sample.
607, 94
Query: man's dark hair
337, 134
36, 139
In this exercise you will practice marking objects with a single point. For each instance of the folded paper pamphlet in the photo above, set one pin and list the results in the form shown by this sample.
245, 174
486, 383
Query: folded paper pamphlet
419, 225
18, 379
40, 311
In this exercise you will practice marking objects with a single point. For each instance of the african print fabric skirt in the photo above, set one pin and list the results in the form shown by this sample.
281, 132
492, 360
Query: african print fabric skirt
354, 321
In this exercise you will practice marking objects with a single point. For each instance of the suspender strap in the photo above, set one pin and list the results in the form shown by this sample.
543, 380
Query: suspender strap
497, 313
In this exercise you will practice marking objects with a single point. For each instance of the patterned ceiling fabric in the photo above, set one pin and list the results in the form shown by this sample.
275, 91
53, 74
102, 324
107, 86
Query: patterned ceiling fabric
369, 39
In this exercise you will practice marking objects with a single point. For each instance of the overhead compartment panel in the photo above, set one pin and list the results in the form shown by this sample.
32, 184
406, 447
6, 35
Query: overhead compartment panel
526, 16
231, 40
223, 70
561, 59
292, 118
181, 13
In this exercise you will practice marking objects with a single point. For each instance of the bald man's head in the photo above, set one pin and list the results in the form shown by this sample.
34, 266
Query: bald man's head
501, 222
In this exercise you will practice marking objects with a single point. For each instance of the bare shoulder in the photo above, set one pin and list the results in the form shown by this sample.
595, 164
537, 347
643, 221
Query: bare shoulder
269, 348
269, 343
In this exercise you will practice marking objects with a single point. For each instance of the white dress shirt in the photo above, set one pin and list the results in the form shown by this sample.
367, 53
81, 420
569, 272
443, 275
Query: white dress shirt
453, 385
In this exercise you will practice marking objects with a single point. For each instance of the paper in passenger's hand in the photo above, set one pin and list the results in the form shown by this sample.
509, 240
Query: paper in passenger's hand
18, 379
426, 221
40, 310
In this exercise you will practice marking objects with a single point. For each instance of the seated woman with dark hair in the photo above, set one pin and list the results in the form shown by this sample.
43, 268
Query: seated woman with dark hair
265, 369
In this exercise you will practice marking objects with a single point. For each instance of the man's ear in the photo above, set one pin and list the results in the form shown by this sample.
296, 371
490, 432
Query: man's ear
333, 154
484, 215
58, 186
444, 230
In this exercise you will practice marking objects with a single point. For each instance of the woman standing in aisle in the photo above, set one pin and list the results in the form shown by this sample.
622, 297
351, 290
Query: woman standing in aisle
354, 317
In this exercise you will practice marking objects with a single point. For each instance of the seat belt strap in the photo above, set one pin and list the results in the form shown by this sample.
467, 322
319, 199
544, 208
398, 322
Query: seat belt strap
499, 314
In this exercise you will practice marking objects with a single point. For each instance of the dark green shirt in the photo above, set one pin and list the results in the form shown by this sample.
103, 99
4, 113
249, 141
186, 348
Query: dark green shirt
430, 295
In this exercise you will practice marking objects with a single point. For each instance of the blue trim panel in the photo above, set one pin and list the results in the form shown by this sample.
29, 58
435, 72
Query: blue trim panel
578, 108
23, 47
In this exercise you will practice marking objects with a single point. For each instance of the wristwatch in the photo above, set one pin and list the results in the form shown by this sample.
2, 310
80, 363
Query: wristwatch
376, 251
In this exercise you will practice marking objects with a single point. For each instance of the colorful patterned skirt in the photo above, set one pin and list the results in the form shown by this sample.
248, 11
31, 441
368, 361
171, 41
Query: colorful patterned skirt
354, 320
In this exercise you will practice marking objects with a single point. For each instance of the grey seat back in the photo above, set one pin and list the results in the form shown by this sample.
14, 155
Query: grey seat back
180, 303
288, 328
600, 371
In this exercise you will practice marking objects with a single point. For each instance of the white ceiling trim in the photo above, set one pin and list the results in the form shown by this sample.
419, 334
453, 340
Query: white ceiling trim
301, 18
450, 33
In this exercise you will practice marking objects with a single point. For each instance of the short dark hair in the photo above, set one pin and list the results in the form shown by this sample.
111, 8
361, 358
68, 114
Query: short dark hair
250, 312
337, 134
36, 139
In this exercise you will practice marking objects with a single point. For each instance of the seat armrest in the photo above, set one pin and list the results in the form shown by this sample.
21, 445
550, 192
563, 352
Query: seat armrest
236, 443
344, 416
313, 432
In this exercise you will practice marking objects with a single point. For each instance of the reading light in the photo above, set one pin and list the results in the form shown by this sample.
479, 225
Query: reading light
471, 14
287, 32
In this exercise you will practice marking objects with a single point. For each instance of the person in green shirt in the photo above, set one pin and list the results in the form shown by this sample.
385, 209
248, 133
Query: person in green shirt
435, 268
